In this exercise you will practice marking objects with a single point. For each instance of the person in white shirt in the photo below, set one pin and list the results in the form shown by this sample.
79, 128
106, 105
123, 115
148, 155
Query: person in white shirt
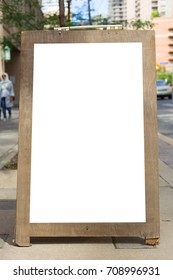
7, 95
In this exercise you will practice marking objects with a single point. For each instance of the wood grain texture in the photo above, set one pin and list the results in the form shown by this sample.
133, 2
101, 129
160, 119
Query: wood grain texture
148, 230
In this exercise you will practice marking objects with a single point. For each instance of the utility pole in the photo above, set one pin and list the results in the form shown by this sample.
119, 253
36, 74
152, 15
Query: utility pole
89, 13
61, 13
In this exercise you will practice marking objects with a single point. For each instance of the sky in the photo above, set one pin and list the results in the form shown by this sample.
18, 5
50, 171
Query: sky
100, 6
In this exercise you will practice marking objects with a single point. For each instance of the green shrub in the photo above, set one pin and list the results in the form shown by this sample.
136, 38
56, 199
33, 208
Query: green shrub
167, 76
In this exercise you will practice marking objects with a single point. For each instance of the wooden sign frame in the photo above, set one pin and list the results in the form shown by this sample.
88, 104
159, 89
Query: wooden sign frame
150, 230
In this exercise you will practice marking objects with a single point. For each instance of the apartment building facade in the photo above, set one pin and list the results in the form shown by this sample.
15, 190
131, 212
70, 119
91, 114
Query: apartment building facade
50, 5
163, 25
164, 42
125, 10
117, 10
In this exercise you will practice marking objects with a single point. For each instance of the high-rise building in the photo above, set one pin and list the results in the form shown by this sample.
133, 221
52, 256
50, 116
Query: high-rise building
120, 10
48, 5
169, 8
164, 41
117, 10
165, 8
162, 8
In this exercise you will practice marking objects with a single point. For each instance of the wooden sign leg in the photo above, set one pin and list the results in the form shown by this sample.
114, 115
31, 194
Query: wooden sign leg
152, 241
22, 239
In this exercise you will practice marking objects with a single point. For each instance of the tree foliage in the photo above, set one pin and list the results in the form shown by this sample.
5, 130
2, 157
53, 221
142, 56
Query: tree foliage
139, 24
17, 18
14, 15
155, 14
167, 76
20, 15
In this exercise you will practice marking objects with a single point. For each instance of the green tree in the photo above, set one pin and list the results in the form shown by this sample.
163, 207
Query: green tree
167, 76
20, 15
139, 24
15, 15
155, 14
51, 21
100, 20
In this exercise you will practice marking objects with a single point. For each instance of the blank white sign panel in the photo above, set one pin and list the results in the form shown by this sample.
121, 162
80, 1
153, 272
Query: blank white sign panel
87, 160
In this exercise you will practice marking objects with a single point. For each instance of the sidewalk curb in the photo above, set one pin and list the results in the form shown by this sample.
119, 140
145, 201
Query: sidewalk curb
165, 139
166, 173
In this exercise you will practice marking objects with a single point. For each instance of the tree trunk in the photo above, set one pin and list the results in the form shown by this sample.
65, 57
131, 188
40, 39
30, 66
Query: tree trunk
61, 13
69, 10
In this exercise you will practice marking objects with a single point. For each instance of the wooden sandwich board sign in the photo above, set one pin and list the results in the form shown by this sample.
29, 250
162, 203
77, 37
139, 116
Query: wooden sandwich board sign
88, 158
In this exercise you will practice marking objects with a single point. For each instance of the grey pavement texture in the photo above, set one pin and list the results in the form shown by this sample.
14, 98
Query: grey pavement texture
81, 248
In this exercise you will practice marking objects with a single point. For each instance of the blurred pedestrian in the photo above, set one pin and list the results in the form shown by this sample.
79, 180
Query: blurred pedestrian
0, 103
7, 95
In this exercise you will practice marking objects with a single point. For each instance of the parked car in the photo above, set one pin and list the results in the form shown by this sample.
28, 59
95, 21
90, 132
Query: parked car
163, 89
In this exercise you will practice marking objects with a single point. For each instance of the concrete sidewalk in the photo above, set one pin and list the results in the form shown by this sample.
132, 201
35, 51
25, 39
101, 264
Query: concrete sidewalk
9, 138
81, 248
